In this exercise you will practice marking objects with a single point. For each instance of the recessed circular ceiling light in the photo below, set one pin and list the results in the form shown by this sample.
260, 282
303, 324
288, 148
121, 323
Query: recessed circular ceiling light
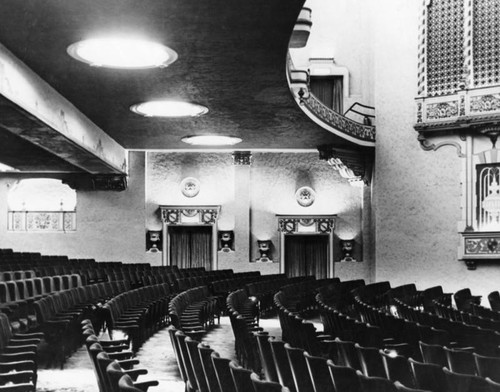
211, 140
127, 53
169, 109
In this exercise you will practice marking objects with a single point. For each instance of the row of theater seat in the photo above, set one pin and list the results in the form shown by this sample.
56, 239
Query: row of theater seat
194, 310
138, 313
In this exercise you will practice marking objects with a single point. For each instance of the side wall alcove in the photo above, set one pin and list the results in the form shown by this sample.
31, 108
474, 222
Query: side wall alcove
306, 224
189, 216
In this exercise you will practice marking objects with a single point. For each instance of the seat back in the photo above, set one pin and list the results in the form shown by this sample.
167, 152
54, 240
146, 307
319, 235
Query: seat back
318, 370
300, 372
370, 361
224, 377
344, 378
458, 382
241, 377
460, 361
397, 368
487, 367
280, 358
428, 376
433, 353
205, 353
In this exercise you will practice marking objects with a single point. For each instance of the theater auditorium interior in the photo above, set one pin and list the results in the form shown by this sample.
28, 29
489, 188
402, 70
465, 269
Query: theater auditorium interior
249, 196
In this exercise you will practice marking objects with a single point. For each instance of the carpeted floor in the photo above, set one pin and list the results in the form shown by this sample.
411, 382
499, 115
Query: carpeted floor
156, 355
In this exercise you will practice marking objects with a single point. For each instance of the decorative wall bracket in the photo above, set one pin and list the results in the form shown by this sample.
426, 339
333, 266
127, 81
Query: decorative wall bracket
355, 166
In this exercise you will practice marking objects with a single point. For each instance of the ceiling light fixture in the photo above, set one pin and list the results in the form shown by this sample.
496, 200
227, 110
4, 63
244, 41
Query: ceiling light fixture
169, 108
211, 140
126, 53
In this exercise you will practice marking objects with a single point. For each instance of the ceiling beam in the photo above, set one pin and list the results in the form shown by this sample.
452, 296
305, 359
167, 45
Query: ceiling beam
33, 110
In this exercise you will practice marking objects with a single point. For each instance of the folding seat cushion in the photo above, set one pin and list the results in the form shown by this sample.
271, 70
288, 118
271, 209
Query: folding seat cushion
114, 373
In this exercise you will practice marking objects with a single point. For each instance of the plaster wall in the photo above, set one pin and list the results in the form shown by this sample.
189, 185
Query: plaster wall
417, 194
110, 225
273, 179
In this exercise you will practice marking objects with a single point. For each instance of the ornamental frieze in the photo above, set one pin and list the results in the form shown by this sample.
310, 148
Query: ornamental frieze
442, 110
486, 245
298, 224
485, 103
175, 215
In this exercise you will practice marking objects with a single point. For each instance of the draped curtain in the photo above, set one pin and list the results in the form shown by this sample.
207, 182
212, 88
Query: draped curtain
191, 246
330, 91
306, 255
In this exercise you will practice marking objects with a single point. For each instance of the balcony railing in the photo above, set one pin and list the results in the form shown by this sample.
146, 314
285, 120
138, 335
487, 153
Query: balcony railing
327, 118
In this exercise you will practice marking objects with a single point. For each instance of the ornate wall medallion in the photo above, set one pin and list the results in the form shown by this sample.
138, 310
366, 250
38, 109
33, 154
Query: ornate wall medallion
305, 196
190, 187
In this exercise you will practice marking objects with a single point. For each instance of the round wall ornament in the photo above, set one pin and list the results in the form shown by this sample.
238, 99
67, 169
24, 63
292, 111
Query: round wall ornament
305, 196
190, 187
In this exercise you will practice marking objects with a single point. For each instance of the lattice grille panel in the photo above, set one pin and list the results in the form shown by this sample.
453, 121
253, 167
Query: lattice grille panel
486, 43
445, 41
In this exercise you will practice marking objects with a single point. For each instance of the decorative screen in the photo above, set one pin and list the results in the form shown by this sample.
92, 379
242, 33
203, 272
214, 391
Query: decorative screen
445, 43
486, 42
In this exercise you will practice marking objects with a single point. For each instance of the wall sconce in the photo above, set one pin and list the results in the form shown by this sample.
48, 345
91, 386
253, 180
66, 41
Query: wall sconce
154, 241
265, 249
226, 241
347, 250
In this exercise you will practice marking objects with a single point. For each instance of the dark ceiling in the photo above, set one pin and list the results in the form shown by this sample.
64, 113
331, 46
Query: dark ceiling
232, 59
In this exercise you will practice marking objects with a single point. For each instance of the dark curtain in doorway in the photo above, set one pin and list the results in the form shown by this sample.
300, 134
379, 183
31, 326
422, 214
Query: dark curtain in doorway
306, 255
191, 246
329, 90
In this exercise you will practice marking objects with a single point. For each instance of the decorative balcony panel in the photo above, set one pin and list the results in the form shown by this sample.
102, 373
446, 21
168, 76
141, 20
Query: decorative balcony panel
471, 109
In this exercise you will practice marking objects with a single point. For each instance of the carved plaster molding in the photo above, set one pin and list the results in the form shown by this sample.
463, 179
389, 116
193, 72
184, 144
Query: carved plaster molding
311, 224
109, 182
175, 215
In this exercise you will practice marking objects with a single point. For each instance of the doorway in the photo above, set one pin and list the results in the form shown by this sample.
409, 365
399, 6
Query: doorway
190, 246
306, 254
